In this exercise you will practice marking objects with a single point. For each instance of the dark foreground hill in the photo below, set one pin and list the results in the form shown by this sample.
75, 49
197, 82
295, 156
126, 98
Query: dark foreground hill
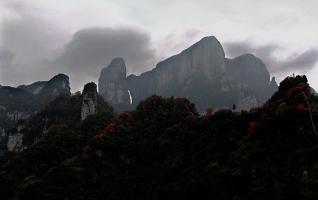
165, 150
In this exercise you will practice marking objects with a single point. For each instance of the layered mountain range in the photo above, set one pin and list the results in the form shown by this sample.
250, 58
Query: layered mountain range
21, 102
200, 73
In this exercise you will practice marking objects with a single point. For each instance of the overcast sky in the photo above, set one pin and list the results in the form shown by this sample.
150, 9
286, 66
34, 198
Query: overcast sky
40, 38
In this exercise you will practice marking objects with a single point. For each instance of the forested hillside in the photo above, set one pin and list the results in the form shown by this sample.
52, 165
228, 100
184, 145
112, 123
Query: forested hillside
165, 150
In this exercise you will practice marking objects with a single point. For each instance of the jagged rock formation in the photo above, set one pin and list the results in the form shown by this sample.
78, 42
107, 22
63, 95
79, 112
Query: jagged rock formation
23, 101
200, 73
273, 85
251, 72
114, 84
15, 141
89, 104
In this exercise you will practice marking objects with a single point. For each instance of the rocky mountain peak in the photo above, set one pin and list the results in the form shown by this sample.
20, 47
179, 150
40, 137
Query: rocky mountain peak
205, 57
118, 62
60, 77
57, 85
209, 43
89, 102
250, 71
273, 84
90, 87
200, 73
112, 83
115, 70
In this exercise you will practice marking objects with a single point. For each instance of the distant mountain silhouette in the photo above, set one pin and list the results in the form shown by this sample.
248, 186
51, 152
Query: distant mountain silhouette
23, 101
200, 73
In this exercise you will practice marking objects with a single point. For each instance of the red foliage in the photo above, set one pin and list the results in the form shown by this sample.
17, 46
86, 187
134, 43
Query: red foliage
177, 97
252, 127
302, 86
302, 108
100, 136
209, 111
87, 149
291, 91
123, 116
110, 129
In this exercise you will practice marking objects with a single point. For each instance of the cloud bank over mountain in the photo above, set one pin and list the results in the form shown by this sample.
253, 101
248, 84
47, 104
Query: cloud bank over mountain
296, 62
40, 40
91, 49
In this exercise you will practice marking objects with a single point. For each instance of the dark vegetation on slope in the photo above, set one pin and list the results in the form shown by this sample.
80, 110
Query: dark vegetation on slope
65, 109
165, 150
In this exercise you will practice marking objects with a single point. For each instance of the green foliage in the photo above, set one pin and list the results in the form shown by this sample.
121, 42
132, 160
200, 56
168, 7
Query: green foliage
165, 150
64, 109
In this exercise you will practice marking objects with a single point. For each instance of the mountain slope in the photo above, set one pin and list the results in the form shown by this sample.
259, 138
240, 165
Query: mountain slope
25, 100
165, 150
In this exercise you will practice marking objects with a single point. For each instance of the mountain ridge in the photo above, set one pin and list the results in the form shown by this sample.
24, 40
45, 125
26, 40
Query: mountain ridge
202, 66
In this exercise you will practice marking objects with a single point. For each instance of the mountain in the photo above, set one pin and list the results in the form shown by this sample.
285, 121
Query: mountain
24, 101
27, 99
200, 73
64, 109
164, 149
113, 80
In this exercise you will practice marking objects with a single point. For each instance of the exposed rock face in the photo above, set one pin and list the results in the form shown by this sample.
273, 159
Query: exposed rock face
15, 142
205, 59
22, 102
34, 88
200, 73
89, 104
273, 86
113, 85
59, 84
250, 71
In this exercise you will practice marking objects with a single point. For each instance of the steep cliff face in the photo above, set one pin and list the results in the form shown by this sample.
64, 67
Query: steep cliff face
200, 73
34, 88
26, 99
89, 102
22, 102
250, 71
15, 141
204, 59
273, 86
113, 85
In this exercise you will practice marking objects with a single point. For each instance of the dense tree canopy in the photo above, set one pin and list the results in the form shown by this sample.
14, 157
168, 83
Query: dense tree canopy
166, 150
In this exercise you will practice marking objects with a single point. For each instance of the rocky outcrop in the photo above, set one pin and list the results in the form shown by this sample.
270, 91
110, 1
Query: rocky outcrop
34, 88
23, 101
15, 141
113, 84
273, 86
200, 73
58, 85
89, 102
250, 71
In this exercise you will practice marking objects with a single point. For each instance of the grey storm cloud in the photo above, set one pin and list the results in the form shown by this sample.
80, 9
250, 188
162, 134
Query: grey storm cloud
6, 58
305, 60
33, 49
300, 62
91, 49
27, 42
